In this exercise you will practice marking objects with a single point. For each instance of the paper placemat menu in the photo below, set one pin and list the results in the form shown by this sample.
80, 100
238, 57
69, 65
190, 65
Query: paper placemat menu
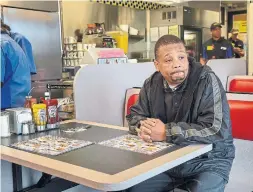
50, 145
135, 144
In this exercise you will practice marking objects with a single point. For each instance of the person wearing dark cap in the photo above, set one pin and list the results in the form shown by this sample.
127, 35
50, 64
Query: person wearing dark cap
217, 47
237, 44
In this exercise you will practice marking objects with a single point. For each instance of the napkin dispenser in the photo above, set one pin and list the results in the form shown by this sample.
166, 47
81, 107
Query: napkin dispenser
19, 116
5, 124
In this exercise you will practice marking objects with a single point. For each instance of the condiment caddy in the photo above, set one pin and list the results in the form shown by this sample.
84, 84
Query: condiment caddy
33, 117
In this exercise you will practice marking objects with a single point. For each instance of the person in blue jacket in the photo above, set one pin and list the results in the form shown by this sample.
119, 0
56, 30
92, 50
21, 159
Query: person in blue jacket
25, 44
15, 72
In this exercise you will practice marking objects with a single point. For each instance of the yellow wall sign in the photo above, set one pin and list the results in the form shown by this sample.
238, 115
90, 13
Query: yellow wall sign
241, 25
173, 30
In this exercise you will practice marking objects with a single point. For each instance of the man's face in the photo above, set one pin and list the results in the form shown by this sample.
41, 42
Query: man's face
172, 63
216, 33
234, 36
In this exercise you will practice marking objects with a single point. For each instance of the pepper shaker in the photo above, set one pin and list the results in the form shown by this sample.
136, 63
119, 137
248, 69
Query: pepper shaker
31, 127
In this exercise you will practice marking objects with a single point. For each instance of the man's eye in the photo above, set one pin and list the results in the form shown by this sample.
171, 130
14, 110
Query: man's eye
168, 60
181, 57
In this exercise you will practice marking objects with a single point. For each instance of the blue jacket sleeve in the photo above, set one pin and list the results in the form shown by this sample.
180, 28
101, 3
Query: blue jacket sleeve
27, 48
2, 65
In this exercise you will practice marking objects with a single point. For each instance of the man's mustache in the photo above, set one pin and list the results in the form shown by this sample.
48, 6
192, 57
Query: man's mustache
177, 71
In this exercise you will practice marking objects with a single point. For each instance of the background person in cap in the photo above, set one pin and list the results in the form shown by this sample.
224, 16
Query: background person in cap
217, 47
237, 44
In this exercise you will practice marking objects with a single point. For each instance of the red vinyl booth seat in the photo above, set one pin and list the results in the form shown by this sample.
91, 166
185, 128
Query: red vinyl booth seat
131, 101
132, 96
242, 119
241, 85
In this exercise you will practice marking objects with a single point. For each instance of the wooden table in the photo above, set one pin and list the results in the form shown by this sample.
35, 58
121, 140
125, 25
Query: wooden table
138, 168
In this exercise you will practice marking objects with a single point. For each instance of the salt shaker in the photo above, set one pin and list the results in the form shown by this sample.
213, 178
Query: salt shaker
25, 129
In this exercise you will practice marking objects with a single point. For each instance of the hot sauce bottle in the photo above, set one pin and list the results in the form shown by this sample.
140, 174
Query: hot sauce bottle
52, 111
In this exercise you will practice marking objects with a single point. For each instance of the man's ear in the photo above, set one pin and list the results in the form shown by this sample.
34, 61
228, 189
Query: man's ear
156, 65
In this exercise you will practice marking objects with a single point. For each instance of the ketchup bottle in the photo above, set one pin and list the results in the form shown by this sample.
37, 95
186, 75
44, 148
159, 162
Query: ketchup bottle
52, 112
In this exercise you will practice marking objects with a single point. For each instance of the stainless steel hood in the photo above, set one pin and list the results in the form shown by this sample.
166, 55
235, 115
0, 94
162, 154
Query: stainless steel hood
205, 5
187, 16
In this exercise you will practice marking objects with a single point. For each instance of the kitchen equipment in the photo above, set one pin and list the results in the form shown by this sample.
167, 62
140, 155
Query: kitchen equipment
104, 56
107, 42
121, 38
18, 116
5, 124
91, 29
100, 28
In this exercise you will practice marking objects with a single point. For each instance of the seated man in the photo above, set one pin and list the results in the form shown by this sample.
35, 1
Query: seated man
184, 103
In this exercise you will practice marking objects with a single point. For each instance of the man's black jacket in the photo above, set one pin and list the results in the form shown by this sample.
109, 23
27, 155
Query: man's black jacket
203, 117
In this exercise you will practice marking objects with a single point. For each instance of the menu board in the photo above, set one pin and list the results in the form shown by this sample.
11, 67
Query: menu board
50, 145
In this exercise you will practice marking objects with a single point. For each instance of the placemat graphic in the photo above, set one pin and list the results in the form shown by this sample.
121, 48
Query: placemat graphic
50, 145
135, 144
74, 130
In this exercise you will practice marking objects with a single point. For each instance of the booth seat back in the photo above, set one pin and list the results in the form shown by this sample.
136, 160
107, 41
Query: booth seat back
240, 84
100, 90
132, 96
241, 111
224, 68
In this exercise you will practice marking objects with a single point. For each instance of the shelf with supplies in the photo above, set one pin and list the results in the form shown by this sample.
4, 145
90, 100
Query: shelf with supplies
72, 58
73, 52
83, 50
